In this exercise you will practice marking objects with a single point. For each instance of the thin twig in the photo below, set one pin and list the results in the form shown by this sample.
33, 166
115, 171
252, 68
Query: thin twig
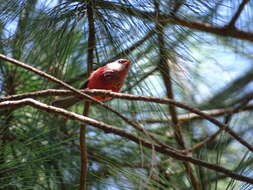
192, 116
166, 75
227, 118
141, 79
237, 14
204, 142
117, 131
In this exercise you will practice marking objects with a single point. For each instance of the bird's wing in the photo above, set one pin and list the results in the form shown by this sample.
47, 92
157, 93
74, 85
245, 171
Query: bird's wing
109, 74
85, 84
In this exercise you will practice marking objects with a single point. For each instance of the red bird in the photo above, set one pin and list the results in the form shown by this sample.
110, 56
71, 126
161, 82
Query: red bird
108, 77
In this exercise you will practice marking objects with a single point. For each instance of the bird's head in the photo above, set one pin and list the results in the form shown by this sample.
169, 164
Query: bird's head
119, 65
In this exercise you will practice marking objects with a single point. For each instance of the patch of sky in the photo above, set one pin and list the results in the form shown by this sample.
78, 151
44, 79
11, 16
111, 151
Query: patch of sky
217, 66
11, 24
10, 28
47, 4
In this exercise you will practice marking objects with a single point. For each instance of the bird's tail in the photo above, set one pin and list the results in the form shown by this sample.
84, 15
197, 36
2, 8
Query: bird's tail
66, 102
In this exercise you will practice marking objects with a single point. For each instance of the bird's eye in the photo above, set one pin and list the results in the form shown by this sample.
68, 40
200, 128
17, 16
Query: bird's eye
123, 61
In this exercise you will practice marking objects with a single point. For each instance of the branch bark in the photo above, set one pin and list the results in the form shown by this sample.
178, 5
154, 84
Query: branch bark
237, 13
172, 19
166, 75
147, 99
192, 116
90, 55
117, 131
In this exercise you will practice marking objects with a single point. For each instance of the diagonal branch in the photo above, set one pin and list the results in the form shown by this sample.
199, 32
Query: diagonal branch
170, 19
141, 79
196, 111
205, 27
117, 131
234, 87
227, 118
237, 13
166, 75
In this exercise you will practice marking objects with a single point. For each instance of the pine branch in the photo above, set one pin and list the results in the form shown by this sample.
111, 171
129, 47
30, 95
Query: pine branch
182, 117
192, 116
166, 75
201, 114
237, 13
165, 71
168, 101
195, 113
90, 55
141, 79
81, 95
172, 19
117, 131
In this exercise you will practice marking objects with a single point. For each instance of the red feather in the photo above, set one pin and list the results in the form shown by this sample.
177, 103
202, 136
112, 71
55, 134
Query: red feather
109, 77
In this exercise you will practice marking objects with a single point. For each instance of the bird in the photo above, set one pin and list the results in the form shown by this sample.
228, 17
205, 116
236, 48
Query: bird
108, 77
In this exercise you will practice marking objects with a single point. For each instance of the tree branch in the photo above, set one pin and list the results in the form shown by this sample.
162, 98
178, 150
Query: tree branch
205, 27
170, 19
82, 137
196, 111
81, 95
192, 116
117, 131
183, 117
165, 71
141, 79
237, 14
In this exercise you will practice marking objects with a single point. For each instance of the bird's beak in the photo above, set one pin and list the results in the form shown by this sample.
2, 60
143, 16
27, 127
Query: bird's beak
124, 62
127, 63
